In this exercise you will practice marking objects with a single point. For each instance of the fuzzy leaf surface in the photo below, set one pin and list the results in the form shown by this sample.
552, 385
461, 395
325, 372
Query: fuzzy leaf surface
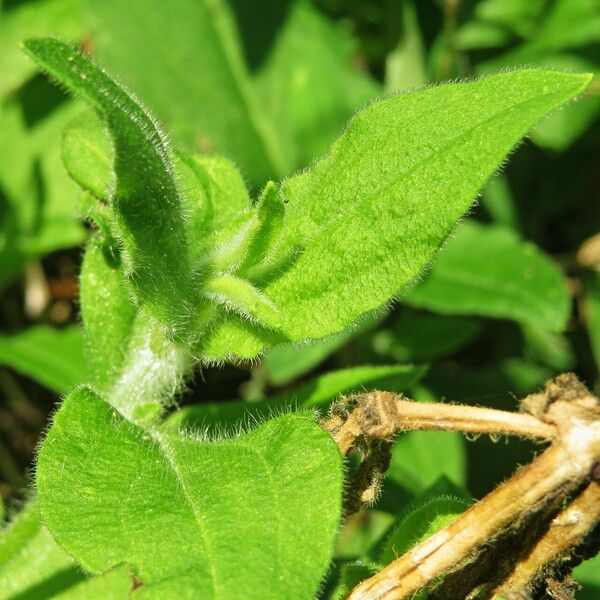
372, 214
176, 508
419, 523
147, 202
489, 271
365, 221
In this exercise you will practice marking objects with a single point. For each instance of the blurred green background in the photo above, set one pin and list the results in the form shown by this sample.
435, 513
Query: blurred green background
513, 300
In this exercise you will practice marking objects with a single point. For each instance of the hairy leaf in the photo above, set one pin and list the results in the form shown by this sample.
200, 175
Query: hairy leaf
489, 271
88, 155
53, 357
365, 221
147, 209
173, 506
373, 213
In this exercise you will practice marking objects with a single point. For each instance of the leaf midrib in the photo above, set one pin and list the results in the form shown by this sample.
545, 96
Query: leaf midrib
198, 517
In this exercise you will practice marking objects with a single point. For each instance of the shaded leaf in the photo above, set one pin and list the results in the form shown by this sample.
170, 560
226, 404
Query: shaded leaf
60, 18
419, 523
309, 84
198, 85
32, 564
489, 271
285, 362
53, 357
421, 337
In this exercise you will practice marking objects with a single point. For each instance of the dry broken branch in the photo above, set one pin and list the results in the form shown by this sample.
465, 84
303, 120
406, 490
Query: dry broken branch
566, 414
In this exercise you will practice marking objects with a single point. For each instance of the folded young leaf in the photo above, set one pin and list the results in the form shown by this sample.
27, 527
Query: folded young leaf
179, 508
108, 315
53, 357
88, 155
147, 206
366, 220
130, 359
489, 271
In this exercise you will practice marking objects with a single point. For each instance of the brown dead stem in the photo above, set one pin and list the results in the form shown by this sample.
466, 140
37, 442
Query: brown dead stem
566, 414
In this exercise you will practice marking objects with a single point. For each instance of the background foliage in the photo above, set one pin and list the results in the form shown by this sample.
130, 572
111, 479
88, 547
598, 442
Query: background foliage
513, 299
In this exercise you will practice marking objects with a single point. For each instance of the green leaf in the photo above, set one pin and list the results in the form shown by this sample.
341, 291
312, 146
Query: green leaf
419, 523
489, 271
316, 393
182, 511
38, 197
405, 66
420, 458
32, 564
591, 313
199, 85
421, 337
351, 574
371, 215
147, 211
53, 357
131, 360
113, 585
285, 362
309, 84
498, 201
108, 316
60, 18
88, 155
588, 575
549, 348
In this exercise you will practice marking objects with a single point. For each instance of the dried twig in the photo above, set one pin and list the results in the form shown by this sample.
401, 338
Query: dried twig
565, 532
565, 414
